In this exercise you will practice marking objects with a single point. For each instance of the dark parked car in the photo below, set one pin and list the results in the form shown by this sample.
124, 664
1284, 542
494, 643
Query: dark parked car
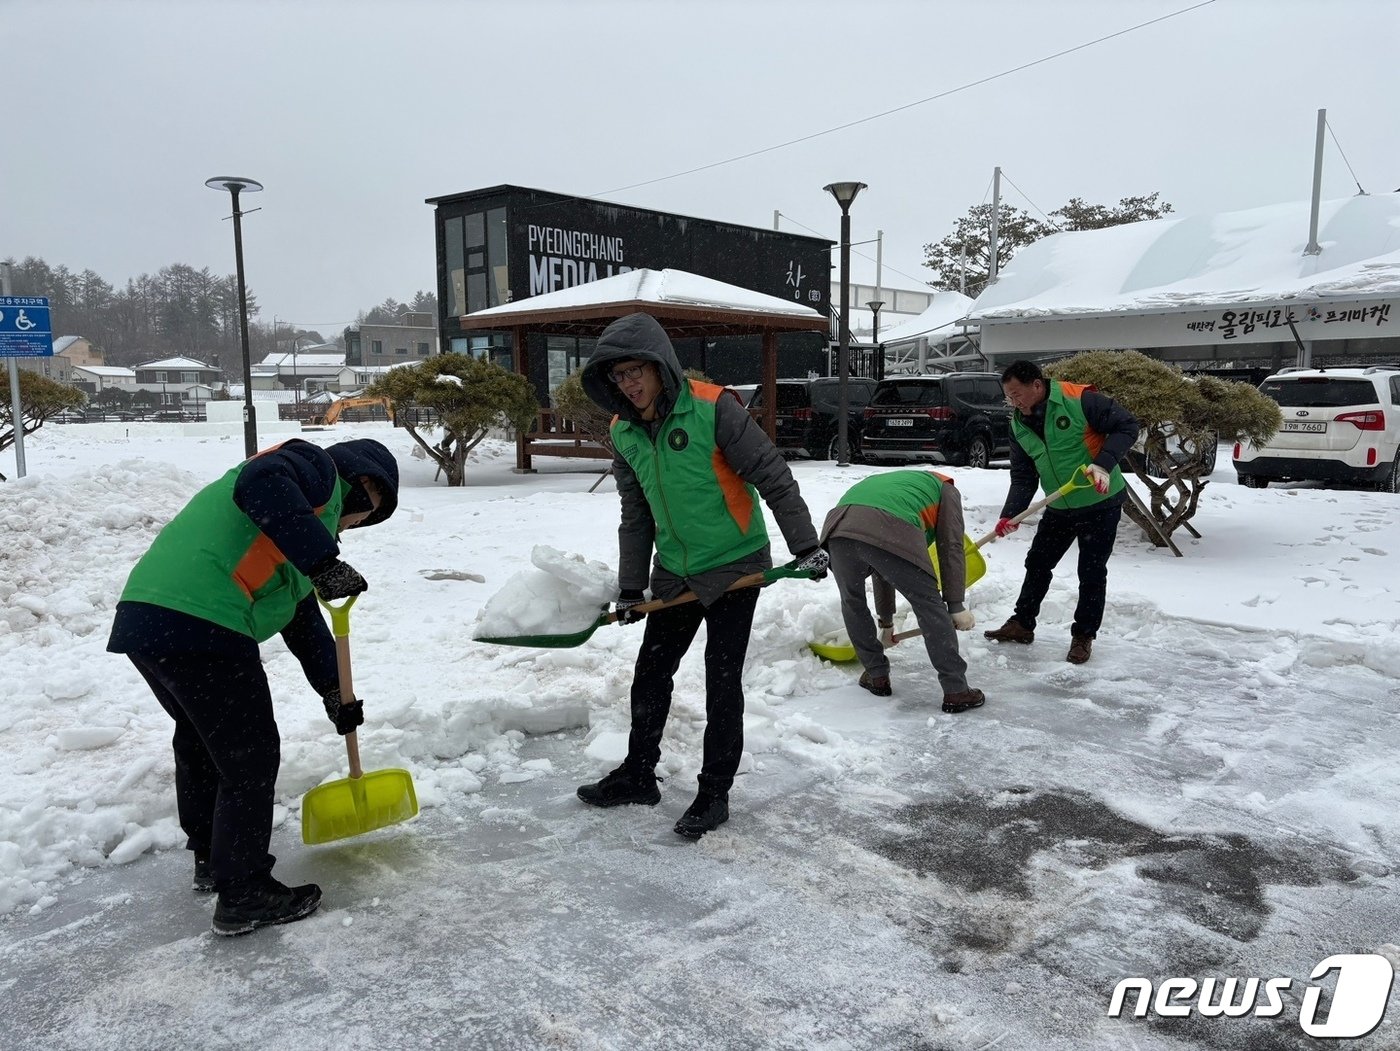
959, 418
808, 411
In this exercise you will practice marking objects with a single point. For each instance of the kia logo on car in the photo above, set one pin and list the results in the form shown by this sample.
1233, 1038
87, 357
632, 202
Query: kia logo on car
1301, 412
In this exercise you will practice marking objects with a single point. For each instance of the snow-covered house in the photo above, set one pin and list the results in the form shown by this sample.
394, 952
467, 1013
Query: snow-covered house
935, 338
96, 378
69, 352
1231, 288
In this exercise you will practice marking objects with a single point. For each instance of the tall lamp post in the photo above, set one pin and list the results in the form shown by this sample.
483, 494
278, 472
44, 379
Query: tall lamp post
235, 185
875, 305
845, 193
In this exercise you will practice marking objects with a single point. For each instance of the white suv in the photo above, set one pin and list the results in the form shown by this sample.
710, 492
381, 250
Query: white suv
1340, 424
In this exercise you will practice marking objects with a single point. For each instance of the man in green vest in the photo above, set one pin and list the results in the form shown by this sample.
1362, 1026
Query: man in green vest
690, 467
883, 528
1058, 428
235, 567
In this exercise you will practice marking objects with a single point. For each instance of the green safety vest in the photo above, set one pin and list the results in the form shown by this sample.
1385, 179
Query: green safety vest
213, 563
911, 496
706, 515
1069, 443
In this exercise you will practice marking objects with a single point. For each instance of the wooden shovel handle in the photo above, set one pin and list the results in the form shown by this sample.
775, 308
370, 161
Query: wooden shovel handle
340, 628
766, 576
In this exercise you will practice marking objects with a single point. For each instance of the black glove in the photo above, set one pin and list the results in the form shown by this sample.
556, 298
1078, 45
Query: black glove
345, 716
623, 607
814, 561
337, 579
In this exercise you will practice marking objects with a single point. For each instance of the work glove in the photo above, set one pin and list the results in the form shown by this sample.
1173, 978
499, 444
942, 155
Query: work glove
345, 716
886, 634
962, 618
1005, 527
623, 607
814, 562
337, 579
1098, 477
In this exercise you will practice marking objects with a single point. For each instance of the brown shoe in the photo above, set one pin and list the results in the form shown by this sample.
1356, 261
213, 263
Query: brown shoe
879, 685
963, 700
1012, 631
1079, 649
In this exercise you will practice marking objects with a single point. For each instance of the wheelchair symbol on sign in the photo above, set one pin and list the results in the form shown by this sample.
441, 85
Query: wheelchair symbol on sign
23, 323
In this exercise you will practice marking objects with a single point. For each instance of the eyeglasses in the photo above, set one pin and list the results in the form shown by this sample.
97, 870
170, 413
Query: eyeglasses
631, 372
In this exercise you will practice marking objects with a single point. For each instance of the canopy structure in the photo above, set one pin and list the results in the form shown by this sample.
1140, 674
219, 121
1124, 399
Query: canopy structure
935, 338
1209, 282
684, 304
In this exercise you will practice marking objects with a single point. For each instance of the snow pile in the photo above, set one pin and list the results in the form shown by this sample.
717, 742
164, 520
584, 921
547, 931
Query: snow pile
563, 594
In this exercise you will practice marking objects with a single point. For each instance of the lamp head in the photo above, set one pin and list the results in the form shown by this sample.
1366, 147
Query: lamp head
844, 192
232, 183
874, 305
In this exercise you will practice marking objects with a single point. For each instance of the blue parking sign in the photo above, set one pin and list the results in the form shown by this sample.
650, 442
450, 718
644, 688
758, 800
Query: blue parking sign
25, 328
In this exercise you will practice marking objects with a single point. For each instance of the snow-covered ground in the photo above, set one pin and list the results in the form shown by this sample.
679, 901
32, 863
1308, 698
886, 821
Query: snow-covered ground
1215, 793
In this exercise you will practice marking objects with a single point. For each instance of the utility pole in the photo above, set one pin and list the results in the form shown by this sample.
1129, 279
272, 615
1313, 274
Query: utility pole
996, 216
1313, 247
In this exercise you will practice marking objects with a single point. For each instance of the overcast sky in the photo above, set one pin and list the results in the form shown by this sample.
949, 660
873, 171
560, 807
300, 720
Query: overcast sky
351, 113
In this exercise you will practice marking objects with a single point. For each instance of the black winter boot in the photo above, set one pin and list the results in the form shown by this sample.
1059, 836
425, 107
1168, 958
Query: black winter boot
706, 814
624, 785
261, 903
203, 875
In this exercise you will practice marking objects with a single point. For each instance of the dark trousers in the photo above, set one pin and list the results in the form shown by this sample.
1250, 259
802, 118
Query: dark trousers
1096, 528
227, 751
669, 634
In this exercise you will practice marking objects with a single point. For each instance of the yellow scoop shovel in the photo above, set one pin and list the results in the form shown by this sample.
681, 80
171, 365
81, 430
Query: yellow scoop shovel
363, 801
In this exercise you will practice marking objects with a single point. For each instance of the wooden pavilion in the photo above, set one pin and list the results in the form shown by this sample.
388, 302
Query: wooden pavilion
686, 305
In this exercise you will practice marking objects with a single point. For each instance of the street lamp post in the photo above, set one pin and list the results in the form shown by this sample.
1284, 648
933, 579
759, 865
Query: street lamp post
235, 185
875, 305
845, 193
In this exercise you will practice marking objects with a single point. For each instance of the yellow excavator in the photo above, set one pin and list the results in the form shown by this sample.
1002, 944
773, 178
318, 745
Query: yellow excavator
335, 408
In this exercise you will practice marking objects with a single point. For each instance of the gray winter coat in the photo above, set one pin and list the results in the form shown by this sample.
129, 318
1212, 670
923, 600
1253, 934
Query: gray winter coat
739, 440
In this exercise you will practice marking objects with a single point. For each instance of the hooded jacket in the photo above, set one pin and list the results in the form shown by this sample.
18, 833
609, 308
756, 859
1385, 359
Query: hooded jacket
237, 560
688, 479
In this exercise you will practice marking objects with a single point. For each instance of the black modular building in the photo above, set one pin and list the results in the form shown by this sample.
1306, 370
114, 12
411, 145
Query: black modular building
505, 243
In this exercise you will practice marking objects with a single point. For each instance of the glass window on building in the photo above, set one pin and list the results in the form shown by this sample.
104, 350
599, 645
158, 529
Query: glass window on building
459, 345
456, 267
189, 377
566, 356
422, 350
401, 351
496, 261
377, 347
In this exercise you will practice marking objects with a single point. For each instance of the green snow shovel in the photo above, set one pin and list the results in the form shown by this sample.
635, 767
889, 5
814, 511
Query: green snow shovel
577, 638
363, 801
839, 652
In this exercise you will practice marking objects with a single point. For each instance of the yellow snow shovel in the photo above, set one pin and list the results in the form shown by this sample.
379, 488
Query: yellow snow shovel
363, 801
839, 651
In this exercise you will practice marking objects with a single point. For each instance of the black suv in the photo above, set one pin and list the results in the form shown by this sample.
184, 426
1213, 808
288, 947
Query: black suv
959, 418
808, 411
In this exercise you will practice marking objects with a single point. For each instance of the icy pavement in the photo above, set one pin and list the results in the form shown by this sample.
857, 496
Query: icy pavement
980, 881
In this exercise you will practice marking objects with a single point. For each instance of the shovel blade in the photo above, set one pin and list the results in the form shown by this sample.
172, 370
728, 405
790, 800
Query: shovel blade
353, 806
839, 651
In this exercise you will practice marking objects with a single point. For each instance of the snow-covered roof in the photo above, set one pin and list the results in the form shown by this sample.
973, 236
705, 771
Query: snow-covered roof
1205, 261
282, 397
174, 363
662, 287
62, 343
936, 323
115, 371
303, 361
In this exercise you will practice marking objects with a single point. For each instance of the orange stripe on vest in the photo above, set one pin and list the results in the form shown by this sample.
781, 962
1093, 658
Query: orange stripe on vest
736, 494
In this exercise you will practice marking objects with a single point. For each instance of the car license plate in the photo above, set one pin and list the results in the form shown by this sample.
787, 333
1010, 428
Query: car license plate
899, 423
1305, 428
